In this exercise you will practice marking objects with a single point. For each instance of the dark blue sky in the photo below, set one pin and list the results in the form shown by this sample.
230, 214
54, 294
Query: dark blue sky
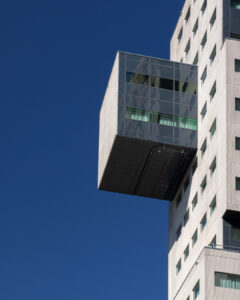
61, 238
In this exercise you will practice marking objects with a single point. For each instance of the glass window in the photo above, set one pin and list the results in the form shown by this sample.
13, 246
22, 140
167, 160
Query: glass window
203, 147
194, 237
213, 54
213, 128
213, 205
179, 231
194, 167
137, 114
204, 40
179, 199
196, 290
204, 111
235, 4
237, 104
187, 123
188, 14
213, 18
237, 183
213, 242
194, 201
235, 234
180, 34
195, 61
204, 184
186, 252
187, 48
226, 280
137, 78
213, 90
237, 65
213, 166
186, 217
203, 8
186, 184
235, 36
195, 27
203, 222
166, 84
178, 266
204, 75
186, 87
237, 143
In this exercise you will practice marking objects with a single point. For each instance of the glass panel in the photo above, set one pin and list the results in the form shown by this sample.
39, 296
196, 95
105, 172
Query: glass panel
213, 128
187, 123
137, 78
237, 104
213, 18
166, 84
237, 143
226, 280
235, 36
194, 201
203, 184
213, 205
235, 234
237, 65
238, 183
137, 114
235, 4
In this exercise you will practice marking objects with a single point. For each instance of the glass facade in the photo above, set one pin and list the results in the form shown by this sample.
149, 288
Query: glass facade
226, 280
235, 4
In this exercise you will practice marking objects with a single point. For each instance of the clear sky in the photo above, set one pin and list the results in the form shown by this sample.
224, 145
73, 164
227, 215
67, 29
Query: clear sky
61, 238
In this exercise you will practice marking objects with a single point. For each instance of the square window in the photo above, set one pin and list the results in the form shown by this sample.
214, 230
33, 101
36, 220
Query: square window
178, 266
237, 183
213, 205
203, 8
213, 18
213, 128
203, 147
196, 290
195, 61
204, 75
195, 27
194, 238
186, 217
188, 14
204, 111
179, 231
213, 54
204, 40
203, 184
213, 166
237, 104
186, 252
203, 222
194, 201
237, 143
237, 65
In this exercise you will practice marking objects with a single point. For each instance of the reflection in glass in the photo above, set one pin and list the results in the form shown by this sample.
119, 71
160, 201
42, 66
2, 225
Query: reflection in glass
137, 114
137, 78
235, 4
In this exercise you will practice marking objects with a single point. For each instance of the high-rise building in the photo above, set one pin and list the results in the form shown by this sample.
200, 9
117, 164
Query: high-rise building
171, 130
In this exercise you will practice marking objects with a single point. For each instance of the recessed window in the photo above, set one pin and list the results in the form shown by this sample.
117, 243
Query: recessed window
213, 18
178, 266
194, 167
235, 234
235, 4
188, 14
237, 143
213, 205
195, 61
203, 147
213, 90
203, 222
196, 290
195, 27
213, 242
237, 65
213, 166
204, 75
213, 54
186, 184
186, 252
229, 281
186, 217
237, 104
204, 111
203, 184
204, 40
213, 128
237, 183
194, 237
194, 201
187, 47
180, 35
179, 231
203, 8
179, 199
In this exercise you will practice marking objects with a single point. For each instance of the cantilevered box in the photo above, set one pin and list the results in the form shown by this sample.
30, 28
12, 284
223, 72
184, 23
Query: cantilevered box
148, 126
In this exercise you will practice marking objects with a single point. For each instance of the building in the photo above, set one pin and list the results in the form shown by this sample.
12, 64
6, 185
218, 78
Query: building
151, 145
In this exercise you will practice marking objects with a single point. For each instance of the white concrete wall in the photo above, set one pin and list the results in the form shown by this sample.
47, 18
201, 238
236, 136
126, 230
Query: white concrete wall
108, 119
